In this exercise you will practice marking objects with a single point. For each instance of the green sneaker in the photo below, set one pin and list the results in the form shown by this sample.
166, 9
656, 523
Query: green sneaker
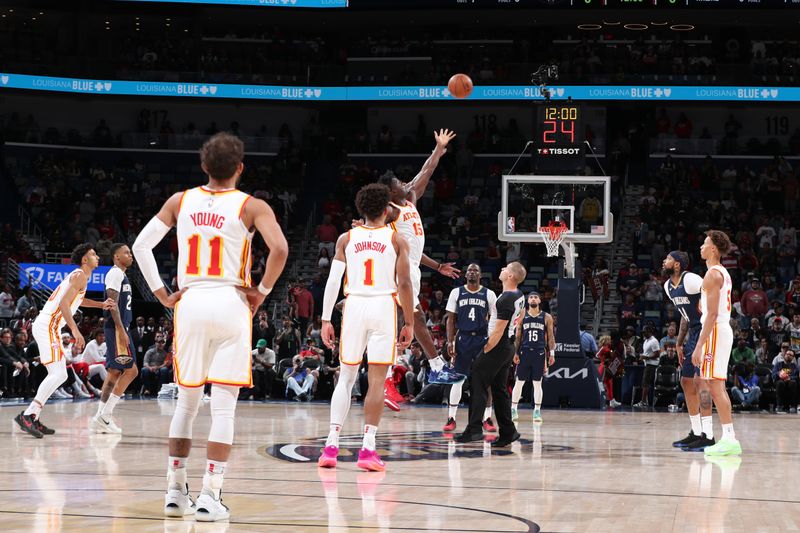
537, 415
724, 447
514, 414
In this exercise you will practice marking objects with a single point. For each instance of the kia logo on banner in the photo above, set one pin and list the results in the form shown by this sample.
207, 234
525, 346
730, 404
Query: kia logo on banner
51, 275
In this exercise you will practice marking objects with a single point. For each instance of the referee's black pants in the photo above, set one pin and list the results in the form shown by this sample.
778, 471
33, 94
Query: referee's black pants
490, 370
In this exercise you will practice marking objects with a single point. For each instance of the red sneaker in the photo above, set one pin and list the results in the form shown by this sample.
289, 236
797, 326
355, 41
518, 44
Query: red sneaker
451, 425
488, 426
391, 392
391, 404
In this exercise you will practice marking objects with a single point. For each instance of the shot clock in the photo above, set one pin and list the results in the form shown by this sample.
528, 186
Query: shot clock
559, 130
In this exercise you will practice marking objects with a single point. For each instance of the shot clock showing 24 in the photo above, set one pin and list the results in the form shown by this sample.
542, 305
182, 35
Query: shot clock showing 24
559, 130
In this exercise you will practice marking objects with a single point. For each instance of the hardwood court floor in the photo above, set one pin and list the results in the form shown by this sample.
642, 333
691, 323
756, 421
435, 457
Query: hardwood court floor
580, 471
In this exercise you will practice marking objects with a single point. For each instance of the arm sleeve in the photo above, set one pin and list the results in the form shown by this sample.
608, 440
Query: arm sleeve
148, 238
452, 301
692, 282
114, 279
332, 288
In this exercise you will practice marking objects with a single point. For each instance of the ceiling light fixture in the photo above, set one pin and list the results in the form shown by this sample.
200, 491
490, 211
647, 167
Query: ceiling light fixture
590, 27
681, 27
636, 27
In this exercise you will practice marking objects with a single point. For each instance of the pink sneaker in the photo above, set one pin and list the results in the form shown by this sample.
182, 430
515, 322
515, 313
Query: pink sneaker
451, 424
391, 404
329, 456
369, 460
488, 426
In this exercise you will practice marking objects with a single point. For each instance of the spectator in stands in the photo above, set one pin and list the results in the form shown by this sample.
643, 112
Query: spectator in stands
746, 388
669, 355
7, 306
155, 371
588, 344
288, 340
794, 333
299, 380
142, 338
785, 374
776, 315
763, 352
650, 354
754, 333
742, 353
324, 259
612, 365
754, 301
305, 306
25, 302
263, 370
92, 361
793, 296
629, 314
778, 336
263, 328
13, 363
670, 338
787, 257
327, 235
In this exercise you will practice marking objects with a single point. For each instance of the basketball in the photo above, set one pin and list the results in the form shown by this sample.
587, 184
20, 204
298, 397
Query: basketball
460, 85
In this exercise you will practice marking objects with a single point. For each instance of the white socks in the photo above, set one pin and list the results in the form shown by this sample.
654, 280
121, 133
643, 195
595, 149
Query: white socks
708, 426
455, 397
100, 406
333, 435
110, 404
727, 432
33, 409
176, 473
538, 393
212, 479
437, 363
487, 413
697, 427
516, 393
369, 437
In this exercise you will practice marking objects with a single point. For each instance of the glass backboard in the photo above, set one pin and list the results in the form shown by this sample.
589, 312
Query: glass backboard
581, 202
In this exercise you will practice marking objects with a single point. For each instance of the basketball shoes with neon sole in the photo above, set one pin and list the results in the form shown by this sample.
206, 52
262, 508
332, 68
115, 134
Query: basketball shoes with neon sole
724, 447
391, 392
391, 404
537, 415
369, 460
329, 457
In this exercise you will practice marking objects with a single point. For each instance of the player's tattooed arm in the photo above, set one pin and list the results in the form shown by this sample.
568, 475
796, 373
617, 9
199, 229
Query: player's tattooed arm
682, 331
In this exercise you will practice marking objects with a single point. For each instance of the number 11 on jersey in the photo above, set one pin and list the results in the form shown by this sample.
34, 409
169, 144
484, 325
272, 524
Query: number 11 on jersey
215, 266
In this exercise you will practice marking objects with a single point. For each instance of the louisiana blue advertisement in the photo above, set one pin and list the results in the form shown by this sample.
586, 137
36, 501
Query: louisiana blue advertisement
50, 275
259, 3
428, 93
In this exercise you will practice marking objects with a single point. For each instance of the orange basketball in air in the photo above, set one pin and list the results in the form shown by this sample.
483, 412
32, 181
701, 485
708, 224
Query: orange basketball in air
460, 85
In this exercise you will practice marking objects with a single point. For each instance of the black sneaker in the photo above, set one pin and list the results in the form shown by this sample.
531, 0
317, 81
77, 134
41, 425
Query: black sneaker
28, 424
44, 430
699, 444
685, 441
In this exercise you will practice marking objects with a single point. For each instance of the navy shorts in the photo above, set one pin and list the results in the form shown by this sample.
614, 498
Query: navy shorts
468, 348
118, 356
531, 366
688, 370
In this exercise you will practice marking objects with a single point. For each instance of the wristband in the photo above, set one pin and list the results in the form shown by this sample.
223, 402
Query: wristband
263, 290
439, 268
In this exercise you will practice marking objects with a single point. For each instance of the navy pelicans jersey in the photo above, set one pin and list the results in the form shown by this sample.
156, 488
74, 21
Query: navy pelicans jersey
117, 280
371, 261
686, 297
213, 243
472, 309
533, 333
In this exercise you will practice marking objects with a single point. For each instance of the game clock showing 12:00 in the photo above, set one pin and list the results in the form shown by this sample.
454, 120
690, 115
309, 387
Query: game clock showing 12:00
560, 130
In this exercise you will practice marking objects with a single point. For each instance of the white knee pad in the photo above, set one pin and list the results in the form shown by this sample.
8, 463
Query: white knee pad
223, 407
189, 399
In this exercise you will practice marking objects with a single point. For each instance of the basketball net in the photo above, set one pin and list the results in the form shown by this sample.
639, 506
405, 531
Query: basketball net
553, 233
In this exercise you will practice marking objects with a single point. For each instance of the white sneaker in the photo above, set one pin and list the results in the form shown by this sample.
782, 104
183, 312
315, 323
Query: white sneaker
209, 509
60, 394
614, 404
79, 393
178, 504
102, 425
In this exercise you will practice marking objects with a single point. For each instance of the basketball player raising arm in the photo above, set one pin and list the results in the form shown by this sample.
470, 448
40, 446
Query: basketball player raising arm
256, 213
415, 188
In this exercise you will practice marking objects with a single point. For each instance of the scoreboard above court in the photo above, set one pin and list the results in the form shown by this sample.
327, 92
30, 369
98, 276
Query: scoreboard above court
559, 130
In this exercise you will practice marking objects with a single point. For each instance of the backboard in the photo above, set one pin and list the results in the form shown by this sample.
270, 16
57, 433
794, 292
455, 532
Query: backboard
583, 203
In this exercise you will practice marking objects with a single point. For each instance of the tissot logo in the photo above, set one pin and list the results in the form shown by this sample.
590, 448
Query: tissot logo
559, 151
412, 446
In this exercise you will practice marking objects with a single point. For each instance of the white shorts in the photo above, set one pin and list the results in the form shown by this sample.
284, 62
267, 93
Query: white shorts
47, 334
213, 328
717, 352
416, 283
368, 323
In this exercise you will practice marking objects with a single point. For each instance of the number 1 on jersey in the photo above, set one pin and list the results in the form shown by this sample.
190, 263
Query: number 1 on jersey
193, 265
368, 272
